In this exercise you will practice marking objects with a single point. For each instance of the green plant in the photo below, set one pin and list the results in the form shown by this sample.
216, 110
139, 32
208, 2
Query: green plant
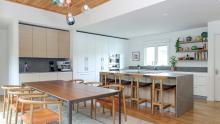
173, 61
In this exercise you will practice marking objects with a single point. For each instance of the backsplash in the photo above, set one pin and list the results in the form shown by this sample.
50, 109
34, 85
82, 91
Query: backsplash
37, 64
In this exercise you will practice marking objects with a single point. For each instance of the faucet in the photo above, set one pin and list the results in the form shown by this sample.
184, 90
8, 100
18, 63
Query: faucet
139, 68
155, 65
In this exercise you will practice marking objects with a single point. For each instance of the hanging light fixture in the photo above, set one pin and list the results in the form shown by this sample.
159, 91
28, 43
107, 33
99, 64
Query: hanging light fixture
70, 19
68, 3
85, 7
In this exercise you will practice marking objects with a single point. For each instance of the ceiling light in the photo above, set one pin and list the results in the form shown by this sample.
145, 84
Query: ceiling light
70, 19
85, 7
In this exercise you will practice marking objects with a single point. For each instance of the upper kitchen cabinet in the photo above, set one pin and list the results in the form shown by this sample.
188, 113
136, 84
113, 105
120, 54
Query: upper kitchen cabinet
52, 43
63, 44
25, 40
39, 42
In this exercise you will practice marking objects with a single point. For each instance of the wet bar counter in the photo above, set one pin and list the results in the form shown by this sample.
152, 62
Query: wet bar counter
183, 82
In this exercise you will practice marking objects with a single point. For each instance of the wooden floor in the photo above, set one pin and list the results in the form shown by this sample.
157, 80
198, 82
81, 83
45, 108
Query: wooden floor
203, 113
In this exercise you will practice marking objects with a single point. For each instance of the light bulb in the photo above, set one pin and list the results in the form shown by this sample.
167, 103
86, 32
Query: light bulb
85, 7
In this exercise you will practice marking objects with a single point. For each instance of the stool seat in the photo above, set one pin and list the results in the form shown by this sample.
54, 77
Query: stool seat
143, 84
125, 82
165, 86
109, 80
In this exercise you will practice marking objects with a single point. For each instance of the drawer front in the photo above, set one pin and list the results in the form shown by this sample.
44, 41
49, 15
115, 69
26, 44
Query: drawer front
65, 76
29, 77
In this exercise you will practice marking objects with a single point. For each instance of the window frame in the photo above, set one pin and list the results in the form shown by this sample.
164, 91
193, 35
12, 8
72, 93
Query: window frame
156, 44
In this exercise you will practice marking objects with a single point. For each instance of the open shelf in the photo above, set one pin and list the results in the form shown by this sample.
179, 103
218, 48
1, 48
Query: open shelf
192, 51
188, 42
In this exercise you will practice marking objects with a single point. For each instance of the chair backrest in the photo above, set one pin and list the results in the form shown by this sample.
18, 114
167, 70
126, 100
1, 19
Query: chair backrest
158, 78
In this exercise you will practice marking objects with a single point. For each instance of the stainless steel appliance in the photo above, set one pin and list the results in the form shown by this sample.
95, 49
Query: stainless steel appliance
64, 65
114, 62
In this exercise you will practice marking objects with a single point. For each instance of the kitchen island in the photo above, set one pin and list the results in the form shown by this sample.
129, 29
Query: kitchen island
183, 82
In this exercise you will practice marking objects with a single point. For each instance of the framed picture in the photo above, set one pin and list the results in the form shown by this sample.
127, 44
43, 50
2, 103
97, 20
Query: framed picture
136, 56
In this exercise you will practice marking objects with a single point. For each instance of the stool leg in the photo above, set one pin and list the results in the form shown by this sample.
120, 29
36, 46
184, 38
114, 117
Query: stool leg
153, 97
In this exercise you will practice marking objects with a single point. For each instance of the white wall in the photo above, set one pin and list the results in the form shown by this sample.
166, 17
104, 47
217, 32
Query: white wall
139, 43
3, 56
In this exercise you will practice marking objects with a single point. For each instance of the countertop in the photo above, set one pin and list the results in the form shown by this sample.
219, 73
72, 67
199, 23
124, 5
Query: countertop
149, 73
43, 72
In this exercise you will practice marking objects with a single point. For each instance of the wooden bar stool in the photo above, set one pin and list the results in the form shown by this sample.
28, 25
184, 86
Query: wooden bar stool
136, 85
158, 89
103, 78
119, 80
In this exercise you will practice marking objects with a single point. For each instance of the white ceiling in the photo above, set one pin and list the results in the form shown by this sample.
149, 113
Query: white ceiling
168, 16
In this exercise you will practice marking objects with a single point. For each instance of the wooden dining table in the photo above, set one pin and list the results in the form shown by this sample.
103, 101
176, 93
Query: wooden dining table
74, 93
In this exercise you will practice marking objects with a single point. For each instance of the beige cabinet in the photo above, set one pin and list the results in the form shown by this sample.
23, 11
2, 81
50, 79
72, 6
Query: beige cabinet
39, 42
64, 44
25, 41
48, 76
52, 43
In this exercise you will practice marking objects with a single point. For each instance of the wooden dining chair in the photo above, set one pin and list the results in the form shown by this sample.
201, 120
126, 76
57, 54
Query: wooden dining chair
14, 106
5, 89
112, 101
40, 116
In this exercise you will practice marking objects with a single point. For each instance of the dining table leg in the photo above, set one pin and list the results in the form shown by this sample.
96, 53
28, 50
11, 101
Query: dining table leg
119, 107
70, 108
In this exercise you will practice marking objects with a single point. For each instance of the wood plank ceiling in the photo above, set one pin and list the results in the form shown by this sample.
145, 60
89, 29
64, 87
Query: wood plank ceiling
47, 5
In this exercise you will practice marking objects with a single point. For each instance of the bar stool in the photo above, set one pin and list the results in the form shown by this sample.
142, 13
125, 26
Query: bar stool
136, 85
103, 78
158, 90
119, 80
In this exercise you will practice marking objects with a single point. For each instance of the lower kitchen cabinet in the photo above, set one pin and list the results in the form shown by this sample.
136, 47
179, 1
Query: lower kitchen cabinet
86, 76
65, 76
29, 77
200, 83
50, 76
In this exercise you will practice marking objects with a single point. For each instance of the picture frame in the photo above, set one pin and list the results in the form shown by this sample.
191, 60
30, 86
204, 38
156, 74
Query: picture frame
136, 56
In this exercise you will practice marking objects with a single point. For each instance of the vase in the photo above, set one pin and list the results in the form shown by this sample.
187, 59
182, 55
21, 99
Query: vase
173, 68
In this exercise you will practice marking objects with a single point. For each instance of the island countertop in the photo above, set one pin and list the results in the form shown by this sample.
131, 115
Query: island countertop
168, 74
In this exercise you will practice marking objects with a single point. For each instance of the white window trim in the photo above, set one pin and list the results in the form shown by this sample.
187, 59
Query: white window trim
156, 44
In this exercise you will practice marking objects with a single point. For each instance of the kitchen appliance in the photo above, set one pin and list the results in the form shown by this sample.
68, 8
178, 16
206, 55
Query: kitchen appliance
114, 62
52, 66
64, 65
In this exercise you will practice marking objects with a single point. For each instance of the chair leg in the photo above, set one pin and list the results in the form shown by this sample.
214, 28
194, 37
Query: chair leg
95, 110
60, 114
91, 110
113, 109
10, 115
7, 114
77, 107
125, 110
4, 107
16, 117
103, 109
84, 103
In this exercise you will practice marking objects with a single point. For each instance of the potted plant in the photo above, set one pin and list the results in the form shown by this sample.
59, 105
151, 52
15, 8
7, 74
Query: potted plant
173, 62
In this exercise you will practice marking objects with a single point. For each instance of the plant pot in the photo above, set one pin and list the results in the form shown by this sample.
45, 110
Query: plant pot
172, 68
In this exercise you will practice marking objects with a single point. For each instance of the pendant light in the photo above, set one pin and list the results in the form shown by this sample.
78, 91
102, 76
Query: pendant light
85, 7
70, 19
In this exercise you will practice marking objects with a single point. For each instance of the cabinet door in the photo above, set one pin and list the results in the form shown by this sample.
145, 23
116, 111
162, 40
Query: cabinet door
64, 44
39, 42
25, 40
52, 43
65, 76
33, 77
48, 76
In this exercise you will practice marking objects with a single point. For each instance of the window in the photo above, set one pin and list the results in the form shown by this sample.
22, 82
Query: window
150, 53
162, 55
157, 55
